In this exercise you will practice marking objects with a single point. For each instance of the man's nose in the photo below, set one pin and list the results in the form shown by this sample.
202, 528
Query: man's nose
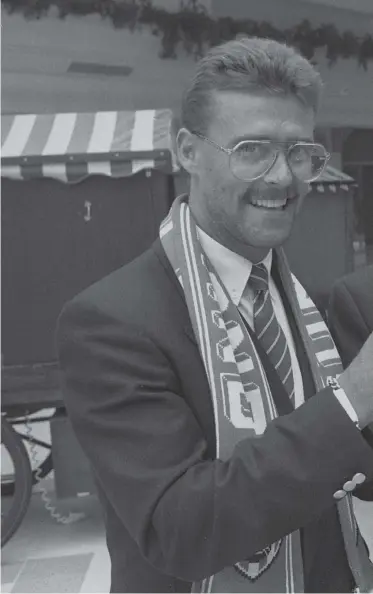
280, 172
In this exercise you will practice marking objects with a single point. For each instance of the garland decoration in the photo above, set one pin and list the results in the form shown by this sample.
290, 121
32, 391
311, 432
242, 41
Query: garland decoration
192, 29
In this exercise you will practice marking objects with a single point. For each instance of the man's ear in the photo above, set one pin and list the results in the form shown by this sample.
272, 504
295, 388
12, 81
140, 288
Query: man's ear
186, 148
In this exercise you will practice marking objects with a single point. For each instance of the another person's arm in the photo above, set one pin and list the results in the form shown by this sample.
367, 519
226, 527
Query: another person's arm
350, 329
150, 455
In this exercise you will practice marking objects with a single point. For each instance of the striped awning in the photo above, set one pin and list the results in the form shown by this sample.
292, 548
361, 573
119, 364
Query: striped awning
71, 146
332, 179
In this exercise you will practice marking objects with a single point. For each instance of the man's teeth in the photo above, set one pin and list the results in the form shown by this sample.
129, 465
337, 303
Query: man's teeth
269, 203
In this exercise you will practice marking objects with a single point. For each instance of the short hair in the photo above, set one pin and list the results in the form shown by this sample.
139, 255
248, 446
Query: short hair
248, 64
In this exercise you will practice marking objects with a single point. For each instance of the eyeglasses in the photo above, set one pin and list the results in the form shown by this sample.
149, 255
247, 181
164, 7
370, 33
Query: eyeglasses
250, 160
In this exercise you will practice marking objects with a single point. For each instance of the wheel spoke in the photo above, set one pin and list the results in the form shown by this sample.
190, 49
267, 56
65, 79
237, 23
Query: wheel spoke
36, 441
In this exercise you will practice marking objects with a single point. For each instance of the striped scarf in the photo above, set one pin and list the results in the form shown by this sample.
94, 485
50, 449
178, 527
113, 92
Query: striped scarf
242, 399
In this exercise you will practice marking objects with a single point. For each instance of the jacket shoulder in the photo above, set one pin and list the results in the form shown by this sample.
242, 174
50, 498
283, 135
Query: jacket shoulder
356, 291
359, 282
129, 292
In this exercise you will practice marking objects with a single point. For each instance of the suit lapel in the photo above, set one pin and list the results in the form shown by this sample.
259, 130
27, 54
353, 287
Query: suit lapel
161, 255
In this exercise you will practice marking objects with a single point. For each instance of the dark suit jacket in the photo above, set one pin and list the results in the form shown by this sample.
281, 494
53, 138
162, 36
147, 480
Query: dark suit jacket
137, 395
350, 319
350, 314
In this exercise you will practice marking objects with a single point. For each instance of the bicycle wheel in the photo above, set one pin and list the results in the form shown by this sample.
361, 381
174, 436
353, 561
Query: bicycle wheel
38, 449
39, 474
13, 508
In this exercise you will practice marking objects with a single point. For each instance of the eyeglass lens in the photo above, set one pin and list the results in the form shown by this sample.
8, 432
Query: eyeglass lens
252, 159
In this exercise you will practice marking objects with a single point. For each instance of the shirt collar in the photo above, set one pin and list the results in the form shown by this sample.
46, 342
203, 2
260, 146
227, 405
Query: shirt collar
234, 270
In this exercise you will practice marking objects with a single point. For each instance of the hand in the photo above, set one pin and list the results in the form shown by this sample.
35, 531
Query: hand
357, 382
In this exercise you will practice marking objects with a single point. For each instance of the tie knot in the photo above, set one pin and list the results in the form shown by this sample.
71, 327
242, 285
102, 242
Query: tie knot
259, 278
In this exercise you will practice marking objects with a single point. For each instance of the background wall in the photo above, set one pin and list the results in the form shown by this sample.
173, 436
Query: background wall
37, 60
289, 12
365, 6
348, 95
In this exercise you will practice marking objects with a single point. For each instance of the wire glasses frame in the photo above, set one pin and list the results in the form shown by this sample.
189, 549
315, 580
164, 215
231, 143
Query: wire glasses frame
323, 157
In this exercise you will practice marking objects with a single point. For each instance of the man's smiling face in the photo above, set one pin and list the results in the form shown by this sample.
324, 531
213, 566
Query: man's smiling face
225, 206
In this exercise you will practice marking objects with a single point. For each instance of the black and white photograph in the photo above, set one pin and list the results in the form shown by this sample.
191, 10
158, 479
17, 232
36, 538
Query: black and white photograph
187, 296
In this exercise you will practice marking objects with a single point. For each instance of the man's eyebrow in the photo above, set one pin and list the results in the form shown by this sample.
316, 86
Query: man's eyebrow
238, 139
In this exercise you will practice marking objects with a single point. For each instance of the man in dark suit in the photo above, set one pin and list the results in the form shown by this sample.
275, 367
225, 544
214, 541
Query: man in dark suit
136, 385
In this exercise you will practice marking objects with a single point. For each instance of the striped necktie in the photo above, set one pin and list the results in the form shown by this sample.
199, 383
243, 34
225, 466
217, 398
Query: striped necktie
268, 329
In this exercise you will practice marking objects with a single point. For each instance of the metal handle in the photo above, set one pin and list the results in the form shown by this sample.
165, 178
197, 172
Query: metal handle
87, 216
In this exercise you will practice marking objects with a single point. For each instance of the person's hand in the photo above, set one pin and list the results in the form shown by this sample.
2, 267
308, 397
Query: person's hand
357, 381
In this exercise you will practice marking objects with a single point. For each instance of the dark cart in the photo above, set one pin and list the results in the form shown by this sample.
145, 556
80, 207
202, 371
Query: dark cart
82, 194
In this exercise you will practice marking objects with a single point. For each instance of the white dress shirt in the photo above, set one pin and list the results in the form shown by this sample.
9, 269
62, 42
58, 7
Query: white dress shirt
234, 272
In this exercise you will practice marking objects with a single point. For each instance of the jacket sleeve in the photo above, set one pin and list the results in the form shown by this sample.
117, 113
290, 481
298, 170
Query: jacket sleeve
150, 456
